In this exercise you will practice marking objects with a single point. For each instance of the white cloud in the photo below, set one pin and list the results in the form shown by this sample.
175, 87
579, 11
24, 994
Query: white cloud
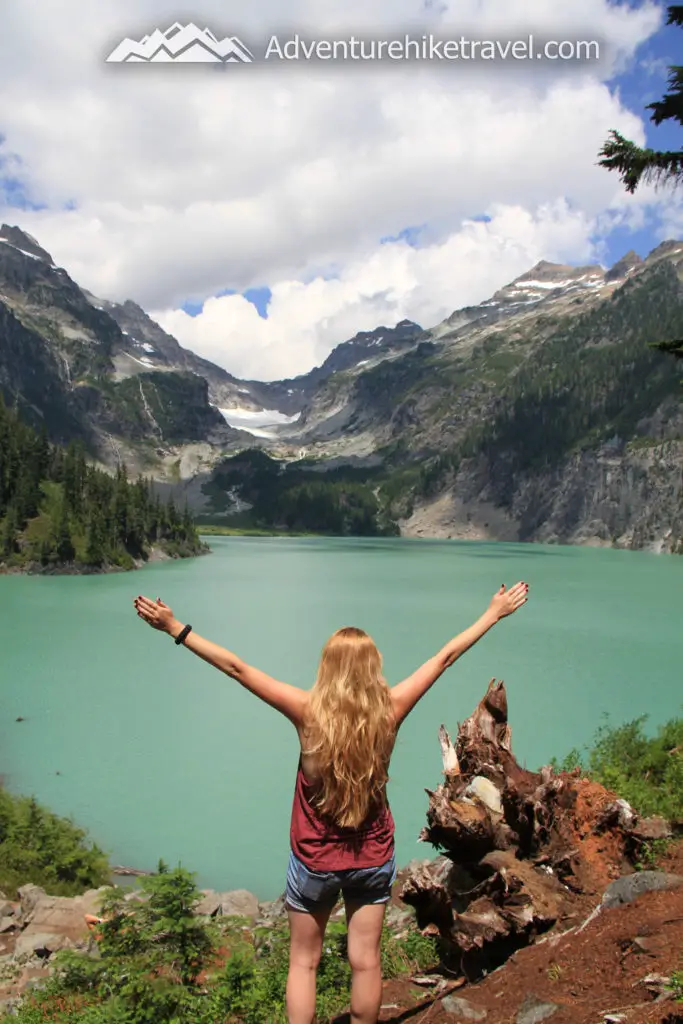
188, 182
391, 283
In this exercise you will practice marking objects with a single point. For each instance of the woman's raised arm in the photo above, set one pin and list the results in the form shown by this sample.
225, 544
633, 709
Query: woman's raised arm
289, 700
406, 694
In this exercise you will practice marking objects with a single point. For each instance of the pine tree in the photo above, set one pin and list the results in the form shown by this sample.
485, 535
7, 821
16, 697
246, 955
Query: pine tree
96, 540
63, 543
637, 165
9, 533
120, 519
121, 512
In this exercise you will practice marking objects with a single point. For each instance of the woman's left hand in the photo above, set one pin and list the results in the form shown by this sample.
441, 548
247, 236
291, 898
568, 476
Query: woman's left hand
156, 613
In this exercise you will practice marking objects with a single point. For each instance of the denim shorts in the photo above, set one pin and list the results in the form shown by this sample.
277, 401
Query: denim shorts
309, 891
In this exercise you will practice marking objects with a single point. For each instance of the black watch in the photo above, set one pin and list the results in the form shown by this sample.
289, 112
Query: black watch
183, 634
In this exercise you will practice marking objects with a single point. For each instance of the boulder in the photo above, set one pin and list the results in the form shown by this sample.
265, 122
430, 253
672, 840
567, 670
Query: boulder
462, 1009
534, 1010
237, 903
629, 887
271, 911
42, 944
51, 922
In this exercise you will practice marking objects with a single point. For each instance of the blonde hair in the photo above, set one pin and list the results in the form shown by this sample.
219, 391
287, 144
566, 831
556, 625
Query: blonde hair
350, 728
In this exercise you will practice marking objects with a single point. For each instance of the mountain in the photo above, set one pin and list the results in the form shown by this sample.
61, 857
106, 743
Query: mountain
69, 367
542, 413
366, 349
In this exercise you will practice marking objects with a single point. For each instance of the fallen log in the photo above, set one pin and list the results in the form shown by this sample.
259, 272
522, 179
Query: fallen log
518, 848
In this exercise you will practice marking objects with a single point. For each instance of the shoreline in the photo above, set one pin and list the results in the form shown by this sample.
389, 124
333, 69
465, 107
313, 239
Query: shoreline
82, 569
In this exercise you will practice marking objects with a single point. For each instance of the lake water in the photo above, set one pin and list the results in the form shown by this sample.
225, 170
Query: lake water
159, 755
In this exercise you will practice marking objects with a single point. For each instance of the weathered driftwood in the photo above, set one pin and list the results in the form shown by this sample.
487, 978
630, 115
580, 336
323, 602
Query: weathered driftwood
518, 847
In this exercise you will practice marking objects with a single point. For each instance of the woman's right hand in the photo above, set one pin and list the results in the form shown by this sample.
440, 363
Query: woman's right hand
505, 601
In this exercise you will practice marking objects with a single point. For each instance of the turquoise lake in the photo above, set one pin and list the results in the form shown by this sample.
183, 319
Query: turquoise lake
160, 755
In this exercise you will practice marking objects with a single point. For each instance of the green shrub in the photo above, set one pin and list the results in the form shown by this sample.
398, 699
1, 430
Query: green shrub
159, 964
645, 770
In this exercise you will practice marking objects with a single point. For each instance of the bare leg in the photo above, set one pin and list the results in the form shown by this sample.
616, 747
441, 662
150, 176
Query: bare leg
365, 936
306, 942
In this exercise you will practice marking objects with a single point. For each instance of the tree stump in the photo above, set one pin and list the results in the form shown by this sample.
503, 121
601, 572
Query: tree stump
519, 848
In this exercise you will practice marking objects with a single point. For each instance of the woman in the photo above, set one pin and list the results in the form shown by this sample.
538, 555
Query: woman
342, 830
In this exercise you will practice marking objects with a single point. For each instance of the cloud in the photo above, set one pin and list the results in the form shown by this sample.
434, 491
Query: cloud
391, 283
170, 184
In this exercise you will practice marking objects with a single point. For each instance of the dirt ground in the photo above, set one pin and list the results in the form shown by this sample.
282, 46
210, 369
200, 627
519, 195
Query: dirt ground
589, 974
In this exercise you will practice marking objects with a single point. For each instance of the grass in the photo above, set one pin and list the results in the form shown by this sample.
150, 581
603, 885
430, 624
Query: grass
249, 531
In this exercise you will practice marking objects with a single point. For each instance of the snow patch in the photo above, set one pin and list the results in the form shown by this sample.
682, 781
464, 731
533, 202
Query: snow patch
147, 347
23, 251
259, 422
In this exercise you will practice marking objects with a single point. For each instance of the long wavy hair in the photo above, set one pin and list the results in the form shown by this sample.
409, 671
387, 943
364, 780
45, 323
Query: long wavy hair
351, 729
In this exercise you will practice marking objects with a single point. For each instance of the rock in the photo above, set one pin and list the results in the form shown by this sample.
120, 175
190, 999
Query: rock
534, 1010
29, 896
43, 944
136, 896
6, 908
237, 903
271, 911
462, 1008
649, 829
413, 865
209, 905
629, 887
397, 918
643, 945
484, 790
52, 922
658, 985
7, 924
620, 813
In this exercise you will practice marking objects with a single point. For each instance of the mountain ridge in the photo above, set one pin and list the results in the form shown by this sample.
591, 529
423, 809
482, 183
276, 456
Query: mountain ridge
398, 401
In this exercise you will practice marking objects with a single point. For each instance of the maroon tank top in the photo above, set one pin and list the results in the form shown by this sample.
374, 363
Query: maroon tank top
324, 847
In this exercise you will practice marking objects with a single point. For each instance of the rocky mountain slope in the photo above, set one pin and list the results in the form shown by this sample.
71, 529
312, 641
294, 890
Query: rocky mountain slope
539, 414
63, 358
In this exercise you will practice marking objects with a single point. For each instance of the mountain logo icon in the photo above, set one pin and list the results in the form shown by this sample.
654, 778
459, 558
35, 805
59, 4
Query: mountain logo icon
181, 44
